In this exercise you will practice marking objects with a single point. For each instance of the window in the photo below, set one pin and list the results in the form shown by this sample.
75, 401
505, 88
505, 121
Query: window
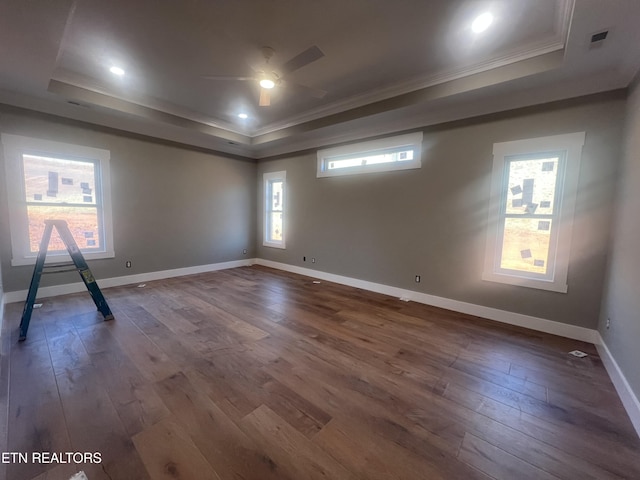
392, 153
274, 198
532, 203
53, 180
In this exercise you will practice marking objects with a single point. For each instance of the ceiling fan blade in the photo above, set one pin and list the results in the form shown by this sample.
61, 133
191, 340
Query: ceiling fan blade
311, 54
314, 92
265, 98
226, 77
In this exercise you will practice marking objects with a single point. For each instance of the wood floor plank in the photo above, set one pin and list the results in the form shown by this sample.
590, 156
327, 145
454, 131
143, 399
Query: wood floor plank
258, 374
498, 463
560, 414
232, 381
59, 472
176, 323
147, 356
67, 351
291, 451
338, 397
546, 457
161, 336
134, 399
36, 420
463, 369
299, 412
596, 393
232, 453
96, 426
617, 459
169, 453
374, 457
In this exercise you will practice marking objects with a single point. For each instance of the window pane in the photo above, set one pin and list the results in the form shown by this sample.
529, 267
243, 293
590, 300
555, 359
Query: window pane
276, 195
532, 186
525, 245
56, 180
275, 226
82, 221
373, 159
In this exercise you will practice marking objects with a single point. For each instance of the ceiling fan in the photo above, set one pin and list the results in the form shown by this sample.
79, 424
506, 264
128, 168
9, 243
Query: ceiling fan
269, 77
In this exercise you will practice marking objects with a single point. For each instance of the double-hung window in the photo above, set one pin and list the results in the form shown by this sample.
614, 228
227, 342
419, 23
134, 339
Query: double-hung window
274, 209
49, 180
532, 203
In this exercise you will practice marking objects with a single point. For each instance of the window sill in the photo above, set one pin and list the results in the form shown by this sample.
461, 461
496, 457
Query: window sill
559, 287
60, 258
274, 245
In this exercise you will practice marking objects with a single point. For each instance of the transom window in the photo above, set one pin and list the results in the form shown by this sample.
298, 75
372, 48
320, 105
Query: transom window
392, 153
49, 181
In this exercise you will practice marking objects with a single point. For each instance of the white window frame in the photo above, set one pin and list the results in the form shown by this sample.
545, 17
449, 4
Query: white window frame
268, 179
15, 146
571, 145
382, 145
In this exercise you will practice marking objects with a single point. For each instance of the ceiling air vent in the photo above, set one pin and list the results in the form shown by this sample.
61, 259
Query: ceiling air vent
597, 39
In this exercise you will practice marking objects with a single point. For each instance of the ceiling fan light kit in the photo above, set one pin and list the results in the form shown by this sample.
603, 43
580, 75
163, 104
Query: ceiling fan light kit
267, 83
269, 79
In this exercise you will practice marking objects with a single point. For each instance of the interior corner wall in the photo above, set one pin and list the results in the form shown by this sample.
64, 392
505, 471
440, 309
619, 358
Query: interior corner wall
1, 294
621, 302
388, 227
173, 207
4, 232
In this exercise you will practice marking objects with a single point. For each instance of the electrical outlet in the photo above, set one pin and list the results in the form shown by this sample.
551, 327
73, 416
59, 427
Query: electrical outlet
608, 322
417, 278
128, 264
313, 260
244, 251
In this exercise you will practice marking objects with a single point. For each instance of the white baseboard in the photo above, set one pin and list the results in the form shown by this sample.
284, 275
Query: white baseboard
512, 318
629, 399
53, 291
626, 394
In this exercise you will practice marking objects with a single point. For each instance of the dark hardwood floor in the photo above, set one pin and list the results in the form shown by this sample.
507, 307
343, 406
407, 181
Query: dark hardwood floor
254, 373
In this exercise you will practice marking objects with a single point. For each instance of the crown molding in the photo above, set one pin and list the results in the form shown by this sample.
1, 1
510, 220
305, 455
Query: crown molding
74, 81
246, 135
409, 86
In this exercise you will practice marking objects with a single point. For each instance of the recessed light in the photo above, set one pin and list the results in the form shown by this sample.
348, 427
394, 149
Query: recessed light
267, 83
117, 71
482, 22
243, 115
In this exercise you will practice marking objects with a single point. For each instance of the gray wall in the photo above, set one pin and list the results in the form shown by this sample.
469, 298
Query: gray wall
389, 227
1, 291
173, 207
622, 293
4, 233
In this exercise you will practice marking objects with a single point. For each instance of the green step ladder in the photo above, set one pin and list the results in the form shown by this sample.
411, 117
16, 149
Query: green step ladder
78, 263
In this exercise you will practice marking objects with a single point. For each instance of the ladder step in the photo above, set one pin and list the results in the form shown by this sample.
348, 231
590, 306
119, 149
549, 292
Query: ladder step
60, 271
78, 263
56, 265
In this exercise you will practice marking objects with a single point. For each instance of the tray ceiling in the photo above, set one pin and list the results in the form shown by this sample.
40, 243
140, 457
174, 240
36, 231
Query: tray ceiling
380, 61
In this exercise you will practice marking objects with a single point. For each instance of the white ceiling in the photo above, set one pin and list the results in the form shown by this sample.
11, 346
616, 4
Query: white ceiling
387, 65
